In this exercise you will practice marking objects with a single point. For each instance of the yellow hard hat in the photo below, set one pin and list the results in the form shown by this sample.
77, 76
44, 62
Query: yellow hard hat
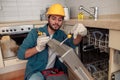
56, 9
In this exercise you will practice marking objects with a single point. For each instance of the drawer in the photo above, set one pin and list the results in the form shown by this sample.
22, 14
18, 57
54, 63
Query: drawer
114, 39
13, 62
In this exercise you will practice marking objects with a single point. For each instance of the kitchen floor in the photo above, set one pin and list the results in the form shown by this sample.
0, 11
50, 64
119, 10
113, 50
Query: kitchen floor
16, 75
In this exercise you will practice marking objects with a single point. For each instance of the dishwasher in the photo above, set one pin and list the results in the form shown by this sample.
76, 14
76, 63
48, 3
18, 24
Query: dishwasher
91, 60
94, 53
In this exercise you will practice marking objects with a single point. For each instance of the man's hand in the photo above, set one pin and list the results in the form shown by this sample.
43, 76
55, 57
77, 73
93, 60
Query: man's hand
79, 29
41, 42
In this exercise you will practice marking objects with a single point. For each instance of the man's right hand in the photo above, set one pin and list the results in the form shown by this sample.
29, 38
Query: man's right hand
41, 42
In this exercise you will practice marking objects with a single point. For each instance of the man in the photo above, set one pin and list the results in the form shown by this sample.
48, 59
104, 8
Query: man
35, 49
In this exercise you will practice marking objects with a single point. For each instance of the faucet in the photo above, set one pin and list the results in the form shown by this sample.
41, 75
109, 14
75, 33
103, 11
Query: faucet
94, 15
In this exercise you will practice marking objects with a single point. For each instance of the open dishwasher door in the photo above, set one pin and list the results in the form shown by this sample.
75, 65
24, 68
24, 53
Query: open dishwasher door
69, 57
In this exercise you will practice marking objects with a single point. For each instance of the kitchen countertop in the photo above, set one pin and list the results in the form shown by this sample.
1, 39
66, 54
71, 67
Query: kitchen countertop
5, 24
100, 23
104, 22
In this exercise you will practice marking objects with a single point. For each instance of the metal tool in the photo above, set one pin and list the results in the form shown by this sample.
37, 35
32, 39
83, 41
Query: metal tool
40, 33
68, 37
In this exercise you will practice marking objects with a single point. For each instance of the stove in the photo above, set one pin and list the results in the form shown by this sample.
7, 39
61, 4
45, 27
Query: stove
15, 29
11, 38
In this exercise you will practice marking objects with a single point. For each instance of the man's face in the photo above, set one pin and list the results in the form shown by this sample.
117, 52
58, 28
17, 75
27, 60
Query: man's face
55, 22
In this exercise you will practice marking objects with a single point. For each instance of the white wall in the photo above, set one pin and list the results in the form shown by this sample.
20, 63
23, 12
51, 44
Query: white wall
105, 6
23, 10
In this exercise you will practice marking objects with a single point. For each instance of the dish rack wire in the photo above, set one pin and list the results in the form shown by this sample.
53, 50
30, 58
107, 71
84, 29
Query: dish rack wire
97, 67
98, 38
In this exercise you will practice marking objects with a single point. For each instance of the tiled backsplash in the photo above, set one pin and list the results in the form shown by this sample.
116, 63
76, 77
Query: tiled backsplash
106, 7
22, 10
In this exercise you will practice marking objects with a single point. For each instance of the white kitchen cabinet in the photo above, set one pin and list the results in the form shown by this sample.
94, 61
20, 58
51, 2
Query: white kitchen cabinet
114, 44
114, 39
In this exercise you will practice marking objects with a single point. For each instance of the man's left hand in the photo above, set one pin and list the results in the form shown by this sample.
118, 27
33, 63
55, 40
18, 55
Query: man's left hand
79, 29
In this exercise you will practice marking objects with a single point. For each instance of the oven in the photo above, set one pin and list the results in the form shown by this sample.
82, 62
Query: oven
11, 38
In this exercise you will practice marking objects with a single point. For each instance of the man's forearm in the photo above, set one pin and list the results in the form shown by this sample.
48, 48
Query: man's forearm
30, 52
77, 40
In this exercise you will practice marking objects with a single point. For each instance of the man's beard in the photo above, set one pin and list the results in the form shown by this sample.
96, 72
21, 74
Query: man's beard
51, 27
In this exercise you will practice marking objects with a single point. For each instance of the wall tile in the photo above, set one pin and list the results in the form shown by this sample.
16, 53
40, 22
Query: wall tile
21, 10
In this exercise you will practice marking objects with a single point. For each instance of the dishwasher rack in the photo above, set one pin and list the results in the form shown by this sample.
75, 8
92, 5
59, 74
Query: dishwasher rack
94, 53
98, 38
98, 69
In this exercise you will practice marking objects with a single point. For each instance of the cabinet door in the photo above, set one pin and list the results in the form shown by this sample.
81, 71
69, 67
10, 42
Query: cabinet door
1, 59
114, 39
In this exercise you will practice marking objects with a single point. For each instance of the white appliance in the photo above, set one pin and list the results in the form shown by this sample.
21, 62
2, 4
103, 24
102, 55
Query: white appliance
16, 34
9, 61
